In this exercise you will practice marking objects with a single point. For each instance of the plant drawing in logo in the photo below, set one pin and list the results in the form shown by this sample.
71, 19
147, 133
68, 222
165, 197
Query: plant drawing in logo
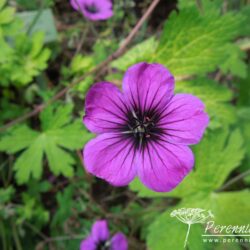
191, 216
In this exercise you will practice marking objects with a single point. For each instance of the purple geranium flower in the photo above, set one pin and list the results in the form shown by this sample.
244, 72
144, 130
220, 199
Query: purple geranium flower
94, 9
143, 131
99, 239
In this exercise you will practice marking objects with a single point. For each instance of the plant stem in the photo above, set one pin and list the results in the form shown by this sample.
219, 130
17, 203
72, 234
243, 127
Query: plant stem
186, 239
199, 5
233, 180
3, 236
34, 21
16, 237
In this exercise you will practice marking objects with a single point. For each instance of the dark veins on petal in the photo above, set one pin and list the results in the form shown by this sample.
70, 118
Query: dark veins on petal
103, 245
91, 8
142, 126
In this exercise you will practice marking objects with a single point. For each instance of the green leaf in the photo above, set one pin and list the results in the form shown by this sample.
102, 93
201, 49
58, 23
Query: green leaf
36, 188
234, 63
2, 3
194, 42
31, 210
69, 136
215, 97
80, 64
32, 5
65, 205
24, 136
58, 133
140, 52
244, 29
10, 110
229, 246
231, 208
45, 23
225, 213
6, 15
23, 58
244, 91
29, 163
215, 158
244, 124
102, 49
60, 162
52, 118
167, 232
206, 6
6, 194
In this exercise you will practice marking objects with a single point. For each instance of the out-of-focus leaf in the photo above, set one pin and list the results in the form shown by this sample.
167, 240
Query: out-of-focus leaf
235, 61
231, 208
43, 21
194, 42
81, 64
244, 29
32, 5
244, 124
169, 232
6, 15
204, 5
102, 49
10, 110
244, 91
141, 52
6, 194
20, 68
65, 205
31, 210
2, 2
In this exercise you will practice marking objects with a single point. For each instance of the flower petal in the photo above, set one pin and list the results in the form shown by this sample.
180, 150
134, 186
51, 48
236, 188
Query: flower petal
184, 120
88, 244
162, 166
100, 231
119, 242
76, 4
105, 109
148, 86
103, 8
111, 157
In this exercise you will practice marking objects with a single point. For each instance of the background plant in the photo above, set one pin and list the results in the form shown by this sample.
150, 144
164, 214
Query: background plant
47, 201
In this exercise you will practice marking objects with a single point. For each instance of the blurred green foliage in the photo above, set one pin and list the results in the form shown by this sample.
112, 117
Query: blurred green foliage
57, 132
47, 201
21, 57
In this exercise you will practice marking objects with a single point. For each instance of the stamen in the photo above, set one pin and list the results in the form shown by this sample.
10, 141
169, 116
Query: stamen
134, 115
142, 126
91, 8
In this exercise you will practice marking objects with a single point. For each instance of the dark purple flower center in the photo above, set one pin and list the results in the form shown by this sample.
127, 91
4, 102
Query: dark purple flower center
142, 127
103, 245
91, 8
